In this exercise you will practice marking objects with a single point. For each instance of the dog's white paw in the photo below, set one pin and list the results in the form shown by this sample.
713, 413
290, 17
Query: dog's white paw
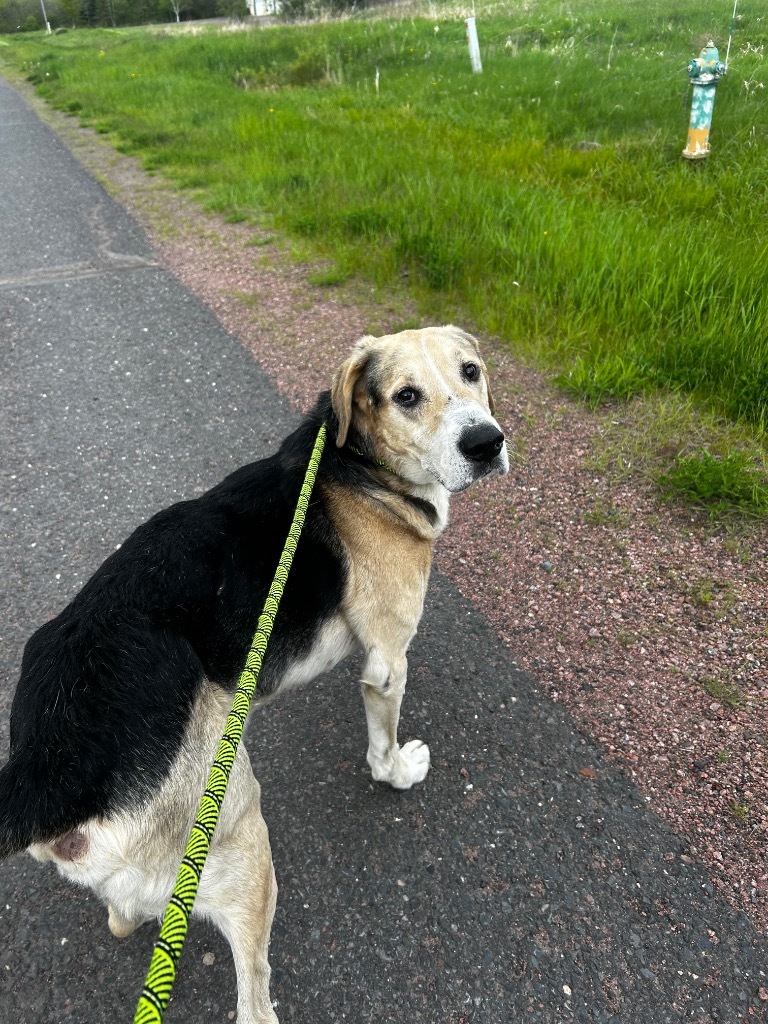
408, 765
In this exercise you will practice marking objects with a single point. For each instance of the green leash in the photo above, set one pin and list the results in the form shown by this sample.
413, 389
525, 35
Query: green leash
162, 970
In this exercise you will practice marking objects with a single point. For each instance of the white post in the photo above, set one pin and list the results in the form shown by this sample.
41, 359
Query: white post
474, 46
730, 34
45, 18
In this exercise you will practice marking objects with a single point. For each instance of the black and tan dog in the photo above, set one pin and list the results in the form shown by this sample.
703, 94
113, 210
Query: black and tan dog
123, 696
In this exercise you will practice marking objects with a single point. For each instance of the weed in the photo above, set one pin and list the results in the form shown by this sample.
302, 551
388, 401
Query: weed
248, 299
715, 594
740, 811
603, 513
724, 691
740, 547
701, 592
723, 756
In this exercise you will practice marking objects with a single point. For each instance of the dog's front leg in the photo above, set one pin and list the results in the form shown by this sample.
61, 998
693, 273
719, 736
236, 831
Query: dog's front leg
383, 685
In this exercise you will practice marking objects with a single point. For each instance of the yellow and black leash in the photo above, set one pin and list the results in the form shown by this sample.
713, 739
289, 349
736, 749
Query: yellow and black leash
173, 931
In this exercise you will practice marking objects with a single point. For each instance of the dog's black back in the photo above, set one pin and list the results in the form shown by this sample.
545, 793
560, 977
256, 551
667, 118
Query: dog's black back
107, 687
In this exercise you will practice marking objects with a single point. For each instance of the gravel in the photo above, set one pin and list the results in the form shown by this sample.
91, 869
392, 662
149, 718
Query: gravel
648, 623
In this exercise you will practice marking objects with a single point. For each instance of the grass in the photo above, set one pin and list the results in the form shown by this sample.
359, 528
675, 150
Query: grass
691, 454
718, 483
544, 201
327, 277
612, 376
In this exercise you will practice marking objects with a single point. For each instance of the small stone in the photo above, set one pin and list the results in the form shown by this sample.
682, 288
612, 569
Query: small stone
209, 959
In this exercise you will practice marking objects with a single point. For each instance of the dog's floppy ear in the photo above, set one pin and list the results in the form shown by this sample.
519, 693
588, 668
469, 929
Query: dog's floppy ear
343, 390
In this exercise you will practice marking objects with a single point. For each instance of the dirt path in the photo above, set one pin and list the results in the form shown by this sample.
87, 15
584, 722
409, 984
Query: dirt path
649, 624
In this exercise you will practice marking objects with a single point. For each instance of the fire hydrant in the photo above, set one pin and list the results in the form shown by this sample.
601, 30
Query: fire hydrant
705, 72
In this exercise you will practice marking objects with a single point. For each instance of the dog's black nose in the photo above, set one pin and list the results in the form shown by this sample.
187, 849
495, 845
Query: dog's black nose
481, 443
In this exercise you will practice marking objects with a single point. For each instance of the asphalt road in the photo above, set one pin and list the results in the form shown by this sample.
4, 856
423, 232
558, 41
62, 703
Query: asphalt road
509, 887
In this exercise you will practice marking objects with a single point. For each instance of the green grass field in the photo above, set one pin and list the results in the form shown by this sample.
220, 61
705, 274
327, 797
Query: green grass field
619, 265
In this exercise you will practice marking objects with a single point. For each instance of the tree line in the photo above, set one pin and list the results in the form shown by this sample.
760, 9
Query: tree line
30, 15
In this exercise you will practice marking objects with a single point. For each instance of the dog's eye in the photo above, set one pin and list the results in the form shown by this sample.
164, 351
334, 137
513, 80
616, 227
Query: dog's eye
471, 371
407, 397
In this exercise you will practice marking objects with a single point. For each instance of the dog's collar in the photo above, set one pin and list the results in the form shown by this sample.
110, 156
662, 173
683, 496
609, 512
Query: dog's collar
372, 458
426, 508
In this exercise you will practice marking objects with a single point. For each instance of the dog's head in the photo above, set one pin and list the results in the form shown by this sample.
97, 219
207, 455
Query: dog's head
420, 401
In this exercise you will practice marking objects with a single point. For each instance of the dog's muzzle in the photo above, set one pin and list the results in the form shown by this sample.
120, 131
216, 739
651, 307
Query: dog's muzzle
481, 443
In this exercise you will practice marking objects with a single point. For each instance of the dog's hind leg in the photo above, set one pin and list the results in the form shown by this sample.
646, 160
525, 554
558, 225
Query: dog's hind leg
238, 893
383, 685
120, 926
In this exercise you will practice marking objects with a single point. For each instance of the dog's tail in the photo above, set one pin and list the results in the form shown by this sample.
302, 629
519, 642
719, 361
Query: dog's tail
27, 811
16, 825
37, 801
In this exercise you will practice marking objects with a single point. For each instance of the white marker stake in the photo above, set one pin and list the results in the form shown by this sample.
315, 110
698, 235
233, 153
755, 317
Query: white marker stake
474, 46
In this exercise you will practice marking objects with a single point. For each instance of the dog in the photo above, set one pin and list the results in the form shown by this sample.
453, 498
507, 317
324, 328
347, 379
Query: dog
123, 696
